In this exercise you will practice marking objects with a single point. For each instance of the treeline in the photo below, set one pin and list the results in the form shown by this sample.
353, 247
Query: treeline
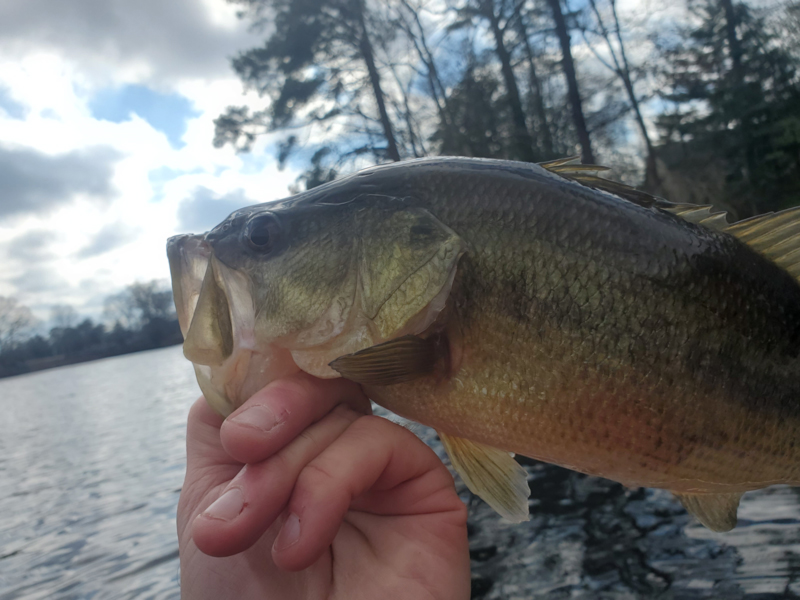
697, 101
141, 317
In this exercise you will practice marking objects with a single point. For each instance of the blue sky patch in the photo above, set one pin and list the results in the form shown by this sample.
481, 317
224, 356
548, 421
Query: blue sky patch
11, 107
167, 113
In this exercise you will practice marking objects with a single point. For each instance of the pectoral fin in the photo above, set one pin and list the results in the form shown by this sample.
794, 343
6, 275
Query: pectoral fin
715, 511
492, 474
404, 359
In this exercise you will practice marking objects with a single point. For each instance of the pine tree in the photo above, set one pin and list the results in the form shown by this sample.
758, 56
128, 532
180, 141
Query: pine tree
736, 94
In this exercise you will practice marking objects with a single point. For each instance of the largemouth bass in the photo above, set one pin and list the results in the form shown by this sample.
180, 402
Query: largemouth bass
519, 308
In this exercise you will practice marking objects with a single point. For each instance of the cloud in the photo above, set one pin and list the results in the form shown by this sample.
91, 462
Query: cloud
108, 238
204, 209
33, 246
40, 279
167, 113
178, 37
34, 182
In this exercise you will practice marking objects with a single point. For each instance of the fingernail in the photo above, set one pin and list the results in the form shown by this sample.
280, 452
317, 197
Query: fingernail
258, 417
227, 507
290, 533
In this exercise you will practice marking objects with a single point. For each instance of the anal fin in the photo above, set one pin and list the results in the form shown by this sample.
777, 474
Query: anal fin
715, 511
491, 474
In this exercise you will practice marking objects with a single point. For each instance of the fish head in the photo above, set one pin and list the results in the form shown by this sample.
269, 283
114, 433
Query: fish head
290, 286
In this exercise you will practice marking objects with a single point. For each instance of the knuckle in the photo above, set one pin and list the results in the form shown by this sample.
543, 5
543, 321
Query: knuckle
308, 437
346, 413
315, 477
370, 425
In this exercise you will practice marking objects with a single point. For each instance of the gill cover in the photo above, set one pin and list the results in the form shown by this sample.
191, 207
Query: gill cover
408, 262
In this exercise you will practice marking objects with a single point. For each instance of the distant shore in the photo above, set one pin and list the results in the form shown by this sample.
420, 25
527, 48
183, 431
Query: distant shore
62, 360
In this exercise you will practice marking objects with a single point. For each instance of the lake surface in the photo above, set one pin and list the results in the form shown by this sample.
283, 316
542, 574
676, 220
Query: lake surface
92, 460
91, 463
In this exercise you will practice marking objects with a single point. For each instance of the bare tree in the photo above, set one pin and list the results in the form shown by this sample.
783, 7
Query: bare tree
63, 316
118, 309
153, 300
542, 126
15, 321
408, 19
620, 66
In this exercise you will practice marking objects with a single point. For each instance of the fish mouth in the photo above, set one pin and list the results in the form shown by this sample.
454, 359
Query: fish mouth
216, 316
188, 256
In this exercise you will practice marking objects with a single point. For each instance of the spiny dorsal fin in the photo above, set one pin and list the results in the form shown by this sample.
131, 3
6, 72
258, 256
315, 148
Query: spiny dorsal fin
773, 235
570, 168
715, 511
491, 474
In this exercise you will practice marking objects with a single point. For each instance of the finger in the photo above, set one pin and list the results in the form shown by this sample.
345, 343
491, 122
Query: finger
207, 463
278, 413
259, 493
202, 436
376, 466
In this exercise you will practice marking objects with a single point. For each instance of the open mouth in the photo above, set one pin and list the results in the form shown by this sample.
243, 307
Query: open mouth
216, 315
188, 256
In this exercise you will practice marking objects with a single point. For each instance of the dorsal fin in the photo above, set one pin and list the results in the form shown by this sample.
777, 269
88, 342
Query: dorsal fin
775, 236
570, 168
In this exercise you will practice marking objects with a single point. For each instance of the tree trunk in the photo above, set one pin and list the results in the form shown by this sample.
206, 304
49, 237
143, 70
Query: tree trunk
735, 48
426, 56
568, 66
374, 78
651, 178
522, 138
536, 92
733, 40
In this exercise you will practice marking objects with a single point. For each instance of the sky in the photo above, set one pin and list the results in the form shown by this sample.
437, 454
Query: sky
106, 129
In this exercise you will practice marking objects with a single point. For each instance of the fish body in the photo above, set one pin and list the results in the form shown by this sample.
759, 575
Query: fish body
515, 310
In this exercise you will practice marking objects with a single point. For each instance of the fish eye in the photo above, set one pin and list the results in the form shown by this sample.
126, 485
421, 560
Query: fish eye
262, 232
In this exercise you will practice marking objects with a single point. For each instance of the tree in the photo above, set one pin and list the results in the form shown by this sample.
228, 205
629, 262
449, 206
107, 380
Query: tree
542, 125
309, 69
407, 18
495, 14
120, 310
63, 315
152, 300
74, 340
620, 66
568, 65
139, 304
736, 96
15, 321
476, 116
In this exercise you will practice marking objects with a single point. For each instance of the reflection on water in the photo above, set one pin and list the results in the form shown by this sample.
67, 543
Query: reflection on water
595, 539
91, 464
92, 459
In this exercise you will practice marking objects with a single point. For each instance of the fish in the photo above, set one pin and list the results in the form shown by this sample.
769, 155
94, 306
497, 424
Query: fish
540, 310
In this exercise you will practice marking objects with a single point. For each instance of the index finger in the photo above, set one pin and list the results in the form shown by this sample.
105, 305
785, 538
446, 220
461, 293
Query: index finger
277, 414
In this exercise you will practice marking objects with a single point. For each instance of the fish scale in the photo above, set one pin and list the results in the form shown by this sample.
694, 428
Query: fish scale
611, 333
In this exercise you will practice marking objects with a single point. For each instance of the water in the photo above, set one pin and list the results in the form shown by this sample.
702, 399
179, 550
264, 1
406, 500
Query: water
92, 460
91, 463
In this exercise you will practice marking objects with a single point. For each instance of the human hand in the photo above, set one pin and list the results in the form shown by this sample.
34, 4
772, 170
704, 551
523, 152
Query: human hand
326, 502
